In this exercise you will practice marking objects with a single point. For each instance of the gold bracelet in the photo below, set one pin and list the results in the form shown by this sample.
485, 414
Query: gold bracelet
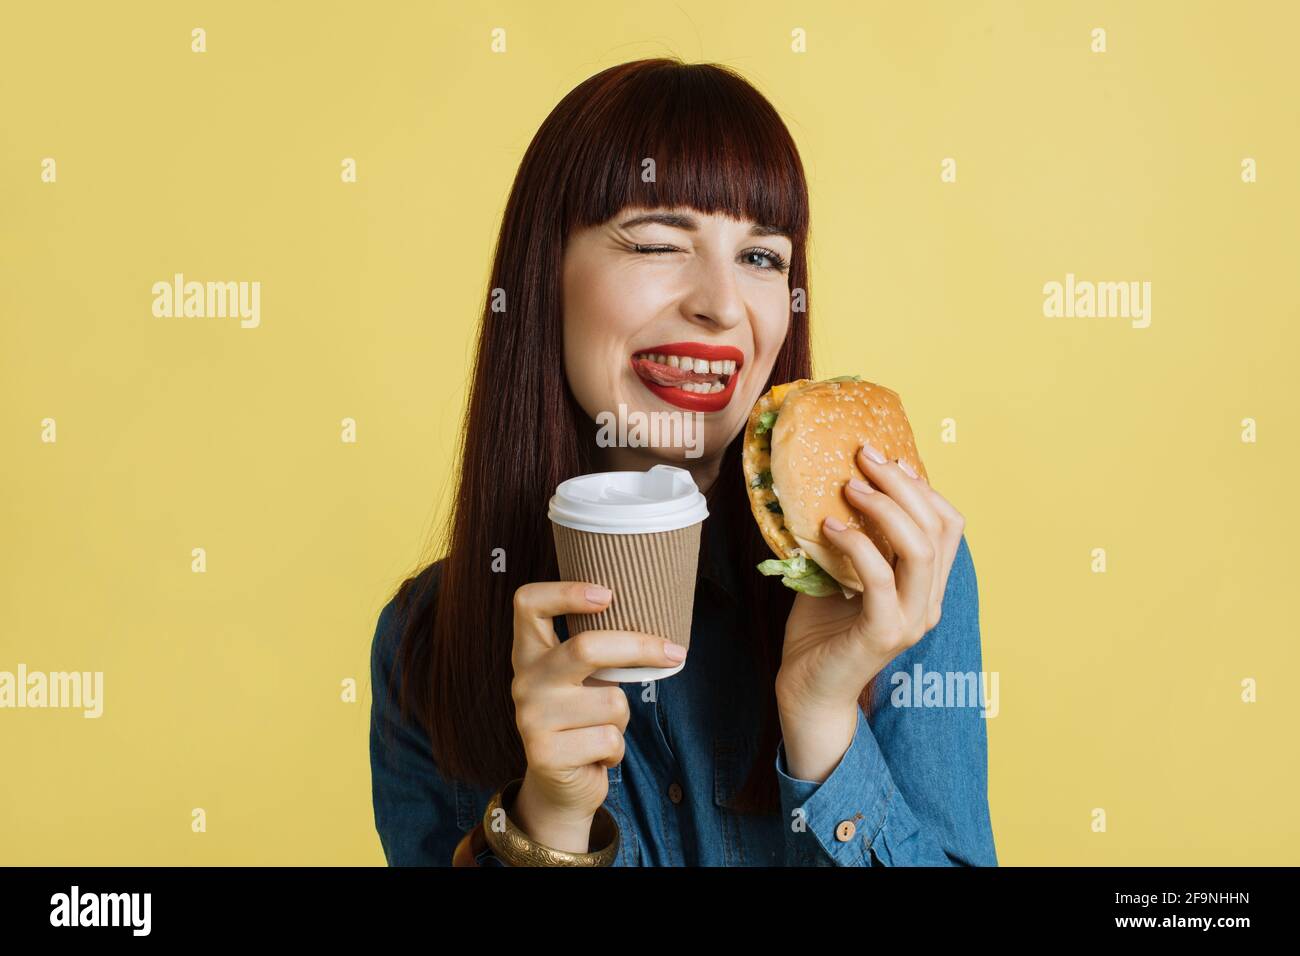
513, 847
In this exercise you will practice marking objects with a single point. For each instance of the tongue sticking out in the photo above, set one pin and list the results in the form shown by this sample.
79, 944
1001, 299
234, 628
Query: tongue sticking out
667, 375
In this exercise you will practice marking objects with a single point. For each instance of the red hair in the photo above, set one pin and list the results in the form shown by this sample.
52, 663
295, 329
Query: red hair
718, 146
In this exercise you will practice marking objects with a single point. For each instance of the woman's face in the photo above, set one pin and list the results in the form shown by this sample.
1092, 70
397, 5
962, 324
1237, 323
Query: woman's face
673, 311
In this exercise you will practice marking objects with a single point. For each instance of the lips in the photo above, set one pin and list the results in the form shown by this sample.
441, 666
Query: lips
691, 375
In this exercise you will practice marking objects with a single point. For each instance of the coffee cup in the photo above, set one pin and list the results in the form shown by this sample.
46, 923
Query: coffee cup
638, 534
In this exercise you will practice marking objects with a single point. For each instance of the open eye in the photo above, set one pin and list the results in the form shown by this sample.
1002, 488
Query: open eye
779, 263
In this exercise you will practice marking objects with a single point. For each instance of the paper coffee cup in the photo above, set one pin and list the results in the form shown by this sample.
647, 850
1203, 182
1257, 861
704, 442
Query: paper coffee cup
638, 534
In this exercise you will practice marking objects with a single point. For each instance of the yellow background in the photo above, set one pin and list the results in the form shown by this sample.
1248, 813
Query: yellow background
1118, 691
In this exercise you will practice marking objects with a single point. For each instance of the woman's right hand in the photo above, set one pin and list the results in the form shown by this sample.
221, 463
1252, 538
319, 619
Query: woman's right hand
571, 723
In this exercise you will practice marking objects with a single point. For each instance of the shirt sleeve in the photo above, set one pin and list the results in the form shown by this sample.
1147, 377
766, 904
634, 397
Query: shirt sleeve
415, 807
912, 788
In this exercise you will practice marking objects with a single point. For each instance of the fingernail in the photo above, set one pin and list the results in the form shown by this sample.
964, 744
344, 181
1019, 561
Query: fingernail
907, 469
857, 484
598, 595
835, 524
674, 652
874, 455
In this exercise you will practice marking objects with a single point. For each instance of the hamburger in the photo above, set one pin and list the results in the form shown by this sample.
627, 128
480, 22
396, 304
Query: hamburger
800, 451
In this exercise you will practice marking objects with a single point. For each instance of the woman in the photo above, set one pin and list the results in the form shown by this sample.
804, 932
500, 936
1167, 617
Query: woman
665, 203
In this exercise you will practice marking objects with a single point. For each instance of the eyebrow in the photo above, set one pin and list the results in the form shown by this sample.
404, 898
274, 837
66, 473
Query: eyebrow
688, 222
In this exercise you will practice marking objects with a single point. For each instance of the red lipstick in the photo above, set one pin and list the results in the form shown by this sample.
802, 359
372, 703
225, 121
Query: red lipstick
665, 380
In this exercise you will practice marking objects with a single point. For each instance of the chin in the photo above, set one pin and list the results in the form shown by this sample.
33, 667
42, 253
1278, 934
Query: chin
658, 430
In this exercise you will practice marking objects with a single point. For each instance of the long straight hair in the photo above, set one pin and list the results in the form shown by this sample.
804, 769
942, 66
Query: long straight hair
717, 145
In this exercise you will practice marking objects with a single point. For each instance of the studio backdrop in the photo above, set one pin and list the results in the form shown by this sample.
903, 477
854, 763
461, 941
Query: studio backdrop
1065, 233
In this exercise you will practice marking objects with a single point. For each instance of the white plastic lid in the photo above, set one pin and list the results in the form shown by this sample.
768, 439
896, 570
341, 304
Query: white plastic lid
664, 498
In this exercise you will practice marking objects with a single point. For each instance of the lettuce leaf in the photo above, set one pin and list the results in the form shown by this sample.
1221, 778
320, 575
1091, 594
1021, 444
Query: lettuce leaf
801, 574
765, 423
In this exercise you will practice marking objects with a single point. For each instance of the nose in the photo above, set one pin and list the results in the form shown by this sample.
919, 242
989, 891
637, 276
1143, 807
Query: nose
716, 298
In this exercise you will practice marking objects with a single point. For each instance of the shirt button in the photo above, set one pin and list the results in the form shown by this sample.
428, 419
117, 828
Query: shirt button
675, 792
844, 832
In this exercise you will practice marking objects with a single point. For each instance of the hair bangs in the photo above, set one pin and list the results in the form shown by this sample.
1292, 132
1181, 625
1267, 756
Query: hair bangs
674, 135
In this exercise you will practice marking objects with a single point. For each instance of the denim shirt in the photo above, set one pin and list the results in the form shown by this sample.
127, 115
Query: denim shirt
911, 790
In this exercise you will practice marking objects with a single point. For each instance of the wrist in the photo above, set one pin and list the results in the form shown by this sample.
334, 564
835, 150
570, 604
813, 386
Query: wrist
816, 742
541, 824
797, 703
797, 694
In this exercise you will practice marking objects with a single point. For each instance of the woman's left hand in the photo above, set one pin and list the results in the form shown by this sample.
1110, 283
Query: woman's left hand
835, 646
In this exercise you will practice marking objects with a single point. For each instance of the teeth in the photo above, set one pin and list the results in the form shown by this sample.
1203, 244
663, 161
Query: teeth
701, 388
715, 367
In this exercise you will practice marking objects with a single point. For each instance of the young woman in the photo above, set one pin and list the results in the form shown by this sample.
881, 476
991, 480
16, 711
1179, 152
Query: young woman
664, 204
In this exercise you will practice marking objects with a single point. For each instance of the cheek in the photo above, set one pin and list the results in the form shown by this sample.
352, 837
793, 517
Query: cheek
598, 324
774, 323
586, 372
769, 335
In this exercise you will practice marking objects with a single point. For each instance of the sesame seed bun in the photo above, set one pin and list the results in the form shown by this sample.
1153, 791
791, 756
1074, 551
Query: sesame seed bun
809, 454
